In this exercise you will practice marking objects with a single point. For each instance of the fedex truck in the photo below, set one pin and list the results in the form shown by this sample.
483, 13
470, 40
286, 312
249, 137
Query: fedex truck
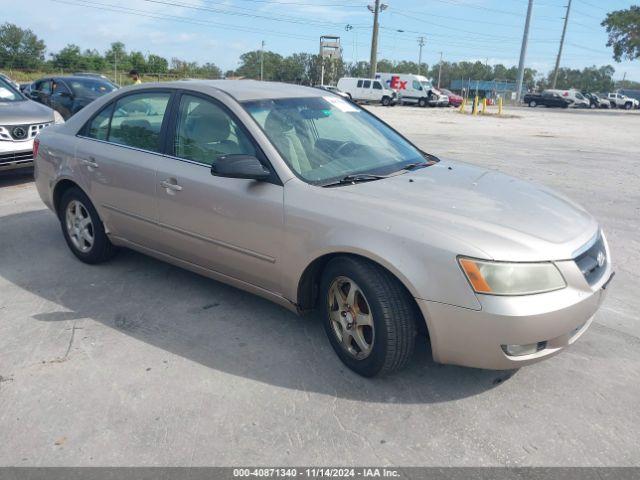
414, 89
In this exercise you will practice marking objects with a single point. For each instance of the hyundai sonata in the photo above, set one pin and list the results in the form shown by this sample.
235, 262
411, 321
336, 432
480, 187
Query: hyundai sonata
304, 198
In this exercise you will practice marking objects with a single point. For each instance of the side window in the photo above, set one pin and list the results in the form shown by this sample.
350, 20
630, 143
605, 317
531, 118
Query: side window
98, 128
137, 120
44, 86
204, 131
359, 84
59, 87
366, 84
377, 86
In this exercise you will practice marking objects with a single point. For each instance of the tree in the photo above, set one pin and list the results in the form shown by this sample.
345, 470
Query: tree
623, 27
69, 58
250, 65
589, 79
20, 48
157, 64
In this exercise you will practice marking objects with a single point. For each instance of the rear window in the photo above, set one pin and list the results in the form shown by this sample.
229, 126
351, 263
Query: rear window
359, 84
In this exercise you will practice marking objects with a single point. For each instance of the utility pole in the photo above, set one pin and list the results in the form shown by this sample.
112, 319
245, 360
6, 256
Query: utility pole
440, 70
421, 44
262, 60
376, 8
564, 32
523, 52
115, 66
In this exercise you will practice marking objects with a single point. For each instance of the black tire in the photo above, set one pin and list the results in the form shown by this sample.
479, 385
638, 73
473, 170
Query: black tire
422, 102
533, 104
628, 106
391, 306
386, 101
102, 249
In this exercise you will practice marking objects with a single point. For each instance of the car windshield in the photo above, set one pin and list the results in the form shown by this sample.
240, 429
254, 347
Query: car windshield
324, 139
90, 86
8, 93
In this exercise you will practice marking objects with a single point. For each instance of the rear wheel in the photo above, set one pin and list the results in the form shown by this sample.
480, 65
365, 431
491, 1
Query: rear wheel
367, 315
83, 229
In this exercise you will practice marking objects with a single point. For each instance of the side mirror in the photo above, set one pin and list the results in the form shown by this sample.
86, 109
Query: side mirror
240, 166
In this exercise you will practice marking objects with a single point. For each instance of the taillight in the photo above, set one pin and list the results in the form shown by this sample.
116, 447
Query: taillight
36, 145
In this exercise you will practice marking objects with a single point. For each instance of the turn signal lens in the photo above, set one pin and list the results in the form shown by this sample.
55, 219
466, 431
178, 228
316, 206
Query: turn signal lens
504, 278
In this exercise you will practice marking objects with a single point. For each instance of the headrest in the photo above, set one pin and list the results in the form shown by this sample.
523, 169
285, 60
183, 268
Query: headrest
208, 123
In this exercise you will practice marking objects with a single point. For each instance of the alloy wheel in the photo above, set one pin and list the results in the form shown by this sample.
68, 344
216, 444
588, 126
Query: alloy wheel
79, 226
351, 317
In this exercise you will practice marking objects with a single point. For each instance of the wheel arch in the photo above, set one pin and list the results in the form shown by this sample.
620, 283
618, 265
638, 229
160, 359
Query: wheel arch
62, 186
309, 283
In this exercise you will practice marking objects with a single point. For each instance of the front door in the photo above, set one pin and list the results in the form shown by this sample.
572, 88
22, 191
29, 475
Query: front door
118, 153
230, 225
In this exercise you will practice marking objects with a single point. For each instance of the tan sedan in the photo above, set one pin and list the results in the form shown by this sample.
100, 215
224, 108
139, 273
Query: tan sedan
304, 198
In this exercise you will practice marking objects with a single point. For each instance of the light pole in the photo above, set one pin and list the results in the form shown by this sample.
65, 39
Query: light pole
564, 32
262, 61
421, 44
523, 52
376, 8
440, 70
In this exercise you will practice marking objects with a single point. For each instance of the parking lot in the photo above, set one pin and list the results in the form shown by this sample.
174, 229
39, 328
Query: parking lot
139, 363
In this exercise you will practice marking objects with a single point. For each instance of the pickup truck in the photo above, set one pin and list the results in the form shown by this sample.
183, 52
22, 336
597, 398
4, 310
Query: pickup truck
619, 100
548, 99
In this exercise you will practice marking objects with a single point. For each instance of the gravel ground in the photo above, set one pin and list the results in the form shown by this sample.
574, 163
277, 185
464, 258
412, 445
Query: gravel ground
139, 363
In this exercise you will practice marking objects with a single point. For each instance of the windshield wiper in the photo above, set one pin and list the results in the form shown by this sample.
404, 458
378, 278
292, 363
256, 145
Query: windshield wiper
355, 178
414, 165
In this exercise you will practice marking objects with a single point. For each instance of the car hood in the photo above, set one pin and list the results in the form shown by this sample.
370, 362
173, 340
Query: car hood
506, 218
26, 112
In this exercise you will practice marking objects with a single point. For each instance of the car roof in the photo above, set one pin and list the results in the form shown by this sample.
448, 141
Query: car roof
243, 90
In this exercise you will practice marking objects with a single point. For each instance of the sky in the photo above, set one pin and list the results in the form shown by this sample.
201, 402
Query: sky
219, 31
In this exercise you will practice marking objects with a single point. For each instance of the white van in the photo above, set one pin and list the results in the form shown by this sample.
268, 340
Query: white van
367, 90
414, 89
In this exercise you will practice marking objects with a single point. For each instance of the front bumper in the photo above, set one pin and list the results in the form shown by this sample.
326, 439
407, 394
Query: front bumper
474, 338
15, 155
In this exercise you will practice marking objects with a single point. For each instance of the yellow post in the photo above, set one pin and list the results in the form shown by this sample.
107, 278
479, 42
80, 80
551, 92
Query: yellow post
474, 111
484, 106
463, 105
500, 106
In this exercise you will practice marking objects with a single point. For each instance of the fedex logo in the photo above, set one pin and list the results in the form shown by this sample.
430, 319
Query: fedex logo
396, 84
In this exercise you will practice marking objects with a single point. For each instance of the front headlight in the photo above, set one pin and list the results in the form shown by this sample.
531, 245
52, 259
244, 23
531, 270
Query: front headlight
504, 278
57, 118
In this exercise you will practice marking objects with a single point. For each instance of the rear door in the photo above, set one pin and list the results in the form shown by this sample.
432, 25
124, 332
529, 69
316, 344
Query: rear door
367, 93
230, 225
118, 152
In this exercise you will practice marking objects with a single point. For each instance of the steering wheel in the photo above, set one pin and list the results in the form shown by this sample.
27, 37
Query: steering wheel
339, 150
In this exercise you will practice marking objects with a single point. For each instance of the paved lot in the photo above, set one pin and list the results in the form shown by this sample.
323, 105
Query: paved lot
140, 363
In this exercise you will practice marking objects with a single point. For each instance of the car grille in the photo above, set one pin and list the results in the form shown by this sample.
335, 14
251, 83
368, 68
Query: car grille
593, 261
16, 157
21, 133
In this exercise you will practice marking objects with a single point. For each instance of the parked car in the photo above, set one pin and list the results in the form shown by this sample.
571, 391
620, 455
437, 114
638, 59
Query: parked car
25, 88
367, 90
332, 89
596, 102
548, 99
313, 202
454, 99
619, 100
414, 89
68, 95
20, 121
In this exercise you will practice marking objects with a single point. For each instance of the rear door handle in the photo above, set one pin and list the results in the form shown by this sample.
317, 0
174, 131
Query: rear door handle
89, 162
169, 185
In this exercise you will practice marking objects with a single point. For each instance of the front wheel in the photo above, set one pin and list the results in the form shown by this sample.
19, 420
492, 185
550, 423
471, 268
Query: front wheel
368, 316
422, 102
386, 101
627, 106
533, 104
83, 229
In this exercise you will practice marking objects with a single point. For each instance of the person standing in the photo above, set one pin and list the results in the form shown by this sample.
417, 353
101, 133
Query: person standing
135, 76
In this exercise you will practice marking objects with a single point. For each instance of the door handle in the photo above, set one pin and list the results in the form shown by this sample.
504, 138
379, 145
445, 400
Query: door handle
89, 162
170, 186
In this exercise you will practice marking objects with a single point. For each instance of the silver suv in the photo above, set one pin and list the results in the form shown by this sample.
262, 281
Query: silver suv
21, 120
